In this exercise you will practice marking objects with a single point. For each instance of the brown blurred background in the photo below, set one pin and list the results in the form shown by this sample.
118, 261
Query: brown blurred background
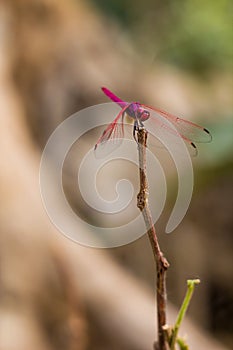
54, 57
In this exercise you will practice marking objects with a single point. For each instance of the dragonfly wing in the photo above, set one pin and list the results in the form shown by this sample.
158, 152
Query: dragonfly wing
188, 131
155, 143
165, 134
112, 136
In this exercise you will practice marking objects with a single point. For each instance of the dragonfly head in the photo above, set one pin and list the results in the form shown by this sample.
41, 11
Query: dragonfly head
143, 114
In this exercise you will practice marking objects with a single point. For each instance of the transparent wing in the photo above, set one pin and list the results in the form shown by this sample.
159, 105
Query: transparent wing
112, 136
188, 130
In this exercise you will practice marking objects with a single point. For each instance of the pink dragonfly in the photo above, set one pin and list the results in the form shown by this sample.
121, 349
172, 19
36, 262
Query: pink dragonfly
140, 113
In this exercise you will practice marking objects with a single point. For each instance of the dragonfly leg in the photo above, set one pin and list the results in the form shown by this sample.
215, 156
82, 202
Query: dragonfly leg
141, 125
135, 128
138, 125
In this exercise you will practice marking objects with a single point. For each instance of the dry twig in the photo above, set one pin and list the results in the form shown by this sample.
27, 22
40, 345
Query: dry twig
161, 262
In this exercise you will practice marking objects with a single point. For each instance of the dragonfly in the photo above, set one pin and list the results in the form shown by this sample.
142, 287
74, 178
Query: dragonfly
140, 113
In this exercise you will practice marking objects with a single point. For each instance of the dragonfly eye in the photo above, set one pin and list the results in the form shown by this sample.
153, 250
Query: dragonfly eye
145, 115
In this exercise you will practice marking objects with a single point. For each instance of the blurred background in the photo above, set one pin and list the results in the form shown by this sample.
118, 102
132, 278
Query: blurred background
54, 57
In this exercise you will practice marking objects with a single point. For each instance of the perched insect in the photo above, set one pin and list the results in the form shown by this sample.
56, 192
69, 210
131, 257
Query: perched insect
140, 113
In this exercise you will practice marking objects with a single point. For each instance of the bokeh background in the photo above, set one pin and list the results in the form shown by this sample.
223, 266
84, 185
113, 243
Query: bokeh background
54, 57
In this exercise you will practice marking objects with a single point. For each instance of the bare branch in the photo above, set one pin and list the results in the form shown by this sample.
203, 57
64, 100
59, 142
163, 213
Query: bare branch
161, 262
